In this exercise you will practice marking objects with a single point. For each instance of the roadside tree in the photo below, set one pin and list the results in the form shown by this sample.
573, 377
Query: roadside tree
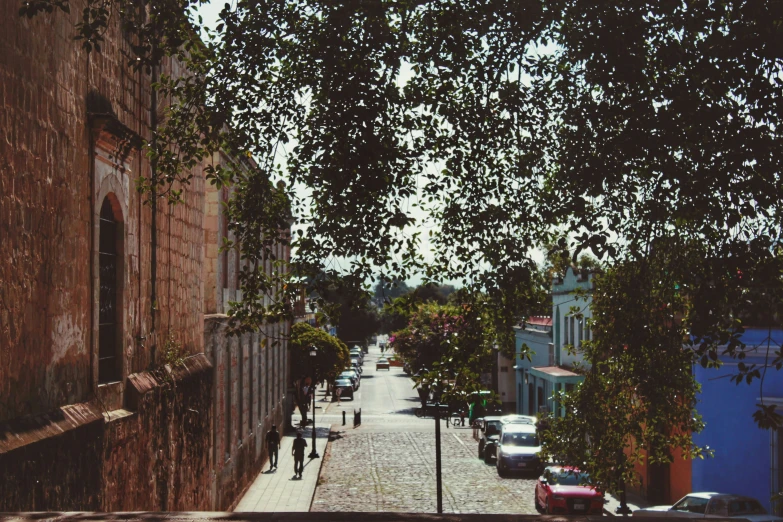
331, 359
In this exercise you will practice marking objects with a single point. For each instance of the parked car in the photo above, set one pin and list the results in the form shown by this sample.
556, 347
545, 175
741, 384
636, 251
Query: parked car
356, 352
517, 449
565, 490
352, 376
356, 366
490, 431
347, 389
383, 364
707, 505
357, 359
518, 419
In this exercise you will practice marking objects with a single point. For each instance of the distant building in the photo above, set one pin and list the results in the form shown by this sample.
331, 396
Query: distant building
551, 369
536, 335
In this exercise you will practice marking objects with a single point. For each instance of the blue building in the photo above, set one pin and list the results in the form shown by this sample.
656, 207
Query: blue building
748, 460
552, 367
536, 334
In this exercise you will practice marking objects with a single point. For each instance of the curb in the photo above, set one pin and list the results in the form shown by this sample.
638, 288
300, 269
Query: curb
321, 466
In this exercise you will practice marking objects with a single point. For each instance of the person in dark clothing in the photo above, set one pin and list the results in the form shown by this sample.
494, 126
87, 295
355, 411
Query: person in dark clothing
273, 444
298, 451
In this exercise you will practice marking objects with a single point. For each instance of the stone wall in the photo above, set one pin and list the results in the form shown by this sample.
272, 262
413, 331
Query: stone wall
249, 399
156, 456
251, 371
72, 124
58, 160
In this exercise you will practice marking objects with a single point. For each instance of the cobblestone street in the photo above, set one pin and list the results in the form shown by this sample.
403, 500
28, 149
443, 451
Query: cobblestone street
388, 463
396, 472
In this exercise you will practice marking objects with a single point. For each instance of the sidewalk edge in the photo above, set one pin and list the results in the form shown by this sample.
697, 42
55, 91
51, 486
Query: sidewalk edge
321, 466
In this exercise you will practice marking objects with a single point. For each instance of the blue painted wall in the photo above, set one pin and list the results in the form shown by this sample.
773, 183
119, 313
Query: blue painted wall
538, 341
742, 451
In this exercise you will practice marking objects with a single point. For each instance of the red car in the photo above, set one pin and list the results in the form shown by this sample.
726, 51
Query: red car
564, 490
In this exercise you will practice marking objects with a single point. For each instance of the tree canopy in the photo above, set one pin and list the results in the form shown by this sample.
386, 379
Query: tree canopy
447, 344
332, 354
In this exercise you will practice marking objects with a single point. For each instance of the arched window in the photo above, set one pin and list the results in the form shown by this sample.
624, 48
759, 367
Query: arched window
110, 266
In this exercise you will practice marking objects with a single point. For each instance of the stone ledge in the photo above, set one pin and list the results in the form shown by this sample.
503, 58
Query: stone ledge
312, 517
33, 428
140, 384
191, 367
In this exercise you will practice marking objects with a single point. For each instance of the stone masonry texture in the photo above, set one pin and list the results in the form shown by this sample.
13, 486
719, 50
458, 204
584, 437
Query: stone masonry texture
145, 442
47, 178
158, 439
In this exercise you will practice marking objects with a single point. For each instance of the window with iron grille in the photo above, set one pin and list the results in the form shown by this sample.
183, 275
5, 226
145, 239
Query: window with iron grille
108, 305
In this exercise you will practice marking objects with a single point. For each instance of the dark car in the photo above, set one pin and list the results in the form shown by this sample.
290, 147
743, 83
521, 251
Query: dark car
490, 431
567, 491
351, 375
347, 389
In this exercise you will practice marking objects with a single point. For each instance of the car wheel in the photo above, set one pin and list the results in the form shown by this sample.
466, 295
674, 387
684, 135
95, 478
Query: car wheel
481, 451
488, 457
546, 507
537, 503
502, 472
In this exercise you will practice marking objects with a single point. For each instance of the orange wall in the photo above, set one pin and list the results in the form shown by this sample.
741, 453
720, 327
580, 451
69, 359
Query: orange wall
679, 477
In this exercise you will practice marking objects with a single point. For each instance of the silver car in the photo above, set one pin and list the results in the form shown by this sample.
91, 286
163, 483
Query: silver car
710, 505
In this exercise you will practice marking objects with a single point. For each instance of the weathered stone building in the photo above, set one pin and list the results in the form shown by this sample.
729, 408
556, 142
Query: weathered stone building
98, 289
250, 384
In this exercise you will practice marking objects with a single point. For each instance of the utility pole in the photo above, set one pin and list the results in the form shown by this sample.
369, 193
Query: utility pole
439, 482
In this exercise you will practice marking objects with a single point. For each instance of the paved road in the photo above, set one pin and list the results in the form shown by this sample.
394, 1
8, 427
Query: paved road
388, 463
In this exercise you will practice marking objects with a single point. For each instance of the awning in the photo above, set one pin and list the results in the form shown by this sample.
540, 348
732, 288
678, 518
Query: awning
556, 374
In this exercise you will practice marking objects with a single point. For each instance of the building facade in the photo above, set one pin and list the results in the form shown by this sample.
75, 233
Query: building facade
551, 369
747, 460
536, 336
100, 289
252, 370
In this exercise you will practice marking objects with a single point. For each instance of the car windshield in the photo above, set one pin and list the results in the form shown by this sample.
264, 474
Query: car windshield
574, 478
493, 428
520, 439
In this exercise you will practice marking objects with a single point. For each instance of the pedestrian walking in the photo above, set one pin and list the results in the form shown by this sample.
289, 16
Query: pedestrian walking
273, 444
298, 451
337, 393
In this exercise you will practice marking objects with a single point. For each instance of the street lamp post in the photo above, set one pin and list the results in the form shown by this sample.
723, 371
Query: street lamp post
313, 355
438, 479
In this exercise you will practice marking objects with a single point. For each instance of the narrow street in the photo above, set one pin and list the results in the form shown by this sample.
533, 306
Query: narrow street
388, 463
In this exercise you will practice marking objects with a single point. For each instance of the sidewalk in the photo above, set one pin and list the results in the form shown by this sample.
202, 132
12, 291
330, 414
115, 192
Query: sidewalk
634, 502
278, 490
